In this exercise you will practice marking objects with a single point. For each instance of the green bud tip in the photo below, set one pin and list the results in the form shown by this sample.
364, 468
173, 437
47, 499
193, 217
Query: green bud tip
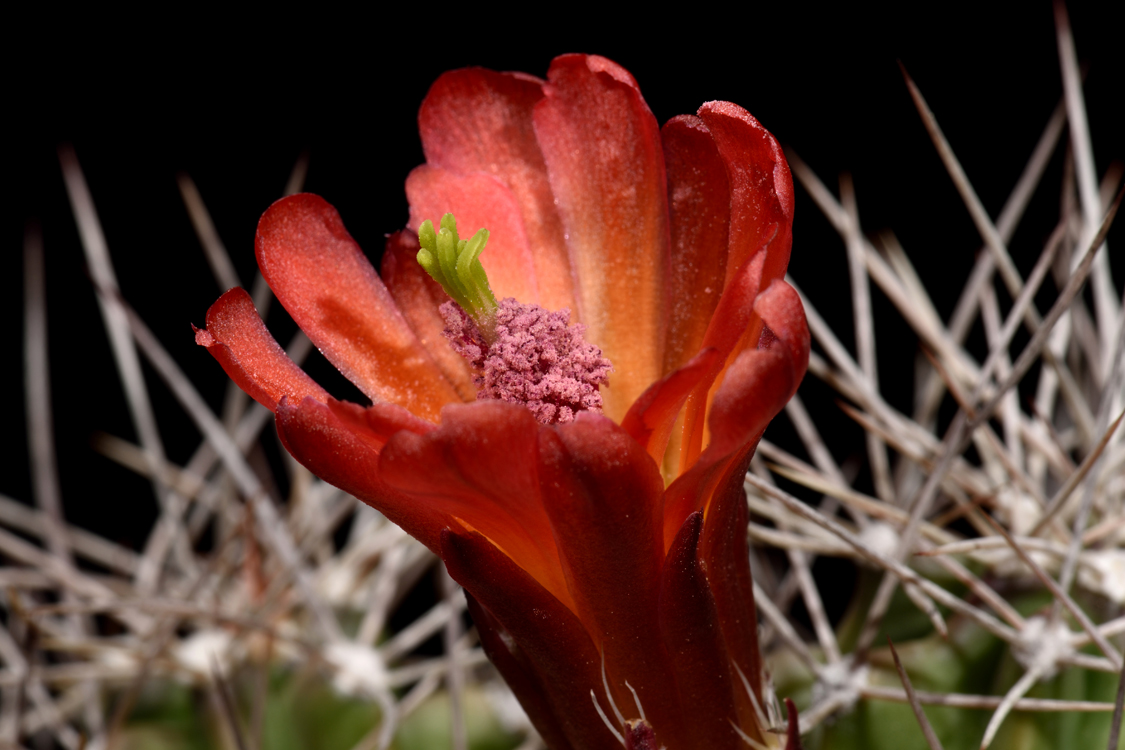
455, 264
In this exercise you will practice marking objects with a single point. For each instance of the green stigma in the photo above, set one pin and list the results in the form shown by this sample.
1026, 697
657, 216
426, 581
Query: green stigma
455, 264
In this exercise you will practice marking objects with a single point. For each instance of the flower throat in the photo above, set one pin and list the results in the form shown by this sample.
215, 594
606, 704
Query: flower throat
520, 353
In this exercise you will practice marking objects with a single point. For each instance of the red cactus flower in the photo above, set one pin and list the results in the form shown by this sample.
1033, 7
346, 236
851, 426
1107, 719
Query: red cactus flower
605, 560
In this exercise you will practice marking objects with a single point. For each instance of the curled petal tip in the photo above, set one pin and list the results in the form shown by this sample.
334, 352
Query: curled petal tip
237, 338
202, 338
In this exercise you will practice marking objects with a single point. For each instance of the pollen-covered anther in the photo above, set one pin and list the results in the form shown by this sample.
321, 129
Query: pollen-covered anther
535, 358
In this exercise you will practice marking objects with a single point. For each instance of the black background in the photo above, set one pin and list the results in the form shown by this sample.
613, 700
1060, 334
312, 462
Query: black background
235, 104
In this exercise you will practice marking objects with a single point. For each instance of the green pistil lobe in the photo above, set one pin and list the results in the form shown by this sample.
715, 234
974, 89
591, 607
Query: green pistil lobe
455, 264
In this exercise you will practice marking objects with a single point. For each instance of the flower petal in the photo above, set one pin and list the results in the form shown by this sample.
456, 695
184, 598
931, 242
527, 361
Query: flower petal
522, 677
761, 188
327, 284
603, 494
479, 200
692, 634
480, 466
733, 321
477, 120
602, 148
761, 235
543, 637
236, 336
724, 556
699, 208
418, 297
330, 448
754, 389
377, 424
761, 381
652, 416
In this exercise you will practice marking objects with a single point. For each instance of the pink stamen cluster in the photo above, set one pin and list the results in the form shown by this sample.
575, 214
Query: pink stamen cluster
537, 359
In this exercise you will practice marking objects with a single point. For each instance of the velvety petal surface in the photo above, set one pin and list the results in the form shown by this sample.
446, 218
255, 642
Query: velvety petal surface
603, 495
238, 339
520, 675
477, 120
606, 167
689, 625
723, 554
479, 200
418, 297
699, 207
555, 650
329, 447
327, 284
670, 246
480, 466
761, 188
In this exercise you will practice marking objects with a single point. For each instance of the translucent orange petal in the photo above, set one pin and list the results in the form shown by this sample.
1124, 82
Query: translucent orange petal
652, 416
602, 148
479, 200
733, 318
754, 389
477, 120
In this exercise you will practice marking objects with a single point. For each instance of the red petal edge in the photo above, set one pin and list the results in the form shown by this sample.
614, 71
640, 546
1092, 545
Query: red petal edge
761, 188
699, 208
238, 339
652, 416
724, 556
793, 735
754, 390
520, 674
